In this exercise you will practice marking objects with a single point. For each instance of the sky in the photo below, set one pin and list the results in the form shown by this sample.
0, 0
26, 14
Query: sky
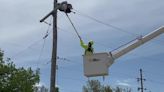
21, 38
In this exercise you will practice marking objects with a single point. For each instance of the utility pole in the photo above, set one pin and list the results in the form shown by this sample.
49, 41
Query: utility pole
66, 8
54, 50
141, 79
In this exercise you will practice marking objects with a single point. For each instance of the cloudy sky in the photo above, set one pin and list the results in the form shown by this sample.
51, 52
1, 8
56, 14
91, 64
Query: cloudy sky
121, 21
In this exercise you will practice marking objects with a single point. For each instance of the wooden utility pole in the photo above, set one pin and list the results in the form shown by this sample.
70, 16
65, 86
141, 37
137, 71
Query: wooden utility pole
66, 8
54, 50
54, 45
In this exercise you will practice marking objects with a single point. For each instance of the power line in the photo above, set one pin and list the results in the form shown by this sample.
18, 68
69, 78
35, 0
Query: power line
41, 51
28, 47
109, 25
59, 59
17, 54
44, 38
157, 74
155, 81
77, 31
96, 42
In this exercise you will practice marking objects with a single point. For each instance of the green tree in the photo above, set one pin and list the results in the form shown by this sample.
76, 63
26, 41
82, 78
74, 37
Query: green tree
13, 79
119, 89
107, 89
95, 86
56, 89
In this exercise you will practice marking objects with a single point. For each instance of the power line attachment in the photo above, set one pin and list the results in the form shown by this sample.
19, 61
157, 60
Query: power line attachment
63, 7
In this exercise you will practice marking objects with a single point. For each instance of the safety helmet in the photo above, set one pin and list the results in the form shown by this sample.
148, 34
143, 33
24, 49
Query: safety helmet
91, 42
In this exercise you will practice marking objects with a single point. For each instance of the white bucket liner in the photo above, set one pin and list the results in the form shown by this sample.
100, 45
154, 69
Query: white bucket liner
97, 64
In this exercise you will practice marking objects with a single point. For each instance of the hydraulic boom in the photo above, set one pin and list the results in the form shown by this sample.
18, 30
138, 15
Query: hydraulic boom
98, 63
136, 43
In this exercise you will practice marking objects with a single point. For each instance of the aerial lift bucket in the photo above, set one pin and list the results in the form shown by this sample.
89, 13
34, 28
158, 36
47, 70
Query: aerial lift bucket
97, 64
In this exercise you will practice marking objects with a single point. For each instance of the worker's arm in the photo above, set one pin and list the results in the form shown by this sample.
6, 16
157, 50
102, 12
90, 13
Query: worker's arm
83, 44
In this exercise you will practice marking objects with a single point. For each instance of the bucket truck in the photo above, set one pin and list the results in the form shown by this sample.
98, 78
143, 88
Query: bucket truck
98, 63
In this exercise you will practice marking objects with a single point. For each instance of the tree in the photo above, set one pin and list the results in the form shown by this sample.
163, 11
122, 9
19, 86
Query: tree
13, 79
119, 89
95, 86
56, 89
107, 89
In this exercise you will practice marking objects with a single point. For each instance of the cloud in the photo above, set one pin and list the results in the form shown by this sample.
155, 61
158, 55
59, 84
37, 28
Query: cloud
39, 84
125, 83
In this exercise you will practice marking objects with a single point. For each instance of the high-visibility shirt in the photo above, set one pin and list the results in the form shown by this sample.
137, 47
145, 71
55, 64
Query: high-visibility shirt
88, 50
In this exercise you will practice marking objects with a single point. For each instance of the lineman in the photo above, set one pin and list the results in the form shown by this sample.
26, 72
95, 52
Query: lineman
88, 48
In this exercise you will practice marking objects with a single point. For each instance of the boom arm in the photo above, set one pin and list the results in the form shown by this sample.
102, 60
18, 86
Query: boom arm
136, 43
98, 63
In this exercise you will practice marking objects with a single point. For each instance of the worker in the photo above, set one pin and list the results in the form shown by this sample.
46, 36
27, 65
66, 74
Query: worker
88, 48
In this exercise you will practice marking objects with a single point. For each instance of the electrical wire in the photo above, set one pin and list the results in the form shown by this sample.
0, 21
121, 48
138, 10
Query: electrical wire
155, 81
96, 21
48, 61
109, 25
101, 23
154, 74
120, 73
17, 54
148, 79
44, 38
125, 44
96, 42
34, 43
42, 48
61, 29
